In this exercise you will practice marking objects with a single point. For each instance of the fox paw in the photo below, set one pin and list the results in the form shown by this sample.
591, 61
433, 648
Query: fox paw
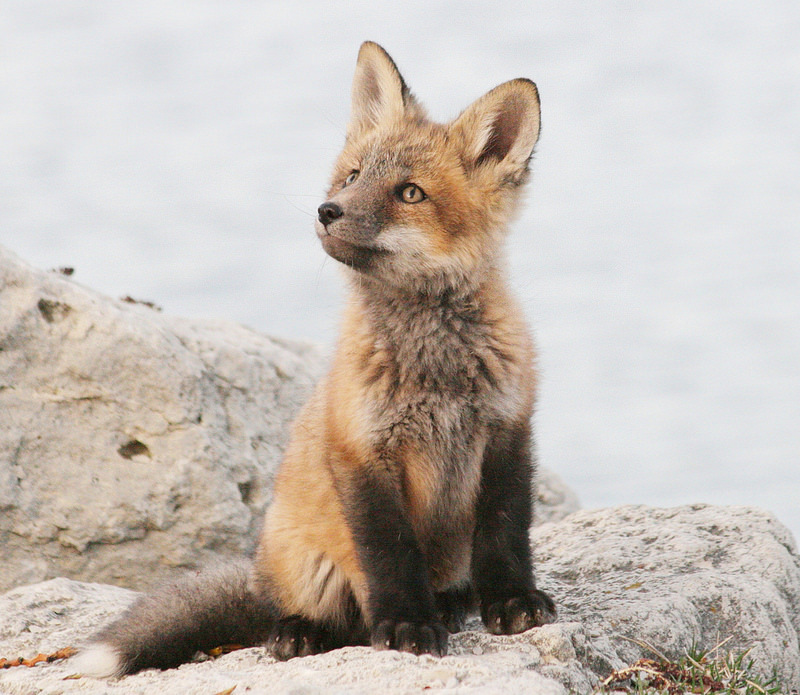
519, 613
452, 607
416, 638
296, 636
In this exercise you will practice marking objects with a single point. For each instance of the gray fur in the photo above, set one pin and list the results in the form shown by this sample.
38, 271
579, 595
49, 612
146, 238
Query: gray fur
199, 611
448, 378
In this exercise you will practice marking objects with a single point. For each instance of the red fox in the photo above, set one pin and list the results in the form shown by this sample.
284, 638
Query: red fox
404, 497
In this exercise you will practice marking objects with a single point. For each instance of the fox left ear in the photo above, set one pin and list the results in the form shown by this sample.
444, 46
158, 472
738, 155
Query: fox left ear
501, 126
379, 91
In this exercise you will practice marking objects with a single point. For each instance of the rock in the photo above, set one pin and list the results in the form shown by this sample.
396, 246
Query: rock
133, 443
554, 500
673, 578
621, 577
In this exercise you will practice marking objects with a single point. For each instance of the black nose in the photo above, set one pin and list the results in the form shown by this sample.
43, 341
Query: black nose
328, 212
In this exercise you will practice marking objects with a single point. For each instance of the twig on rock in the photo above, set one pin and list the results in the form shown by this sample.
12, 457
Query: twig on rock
64, 653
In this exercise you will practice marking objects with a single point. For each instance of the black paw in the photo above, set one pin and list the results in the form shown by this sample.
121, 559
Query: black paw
453, 606
296, 636
417, 638
519, 613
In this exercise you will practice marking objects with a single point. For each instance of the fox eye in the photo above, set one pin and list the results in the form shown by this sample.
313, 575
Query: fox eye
411, 193
352, 176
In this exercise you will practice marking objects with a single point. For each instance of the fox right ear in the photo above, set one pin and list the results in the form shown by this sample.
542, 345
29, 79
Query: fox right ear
501, 128
379, 91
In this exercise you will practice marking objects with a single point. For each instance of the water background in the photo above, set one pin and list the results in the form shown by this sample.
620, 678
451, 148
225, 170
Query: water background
176, 151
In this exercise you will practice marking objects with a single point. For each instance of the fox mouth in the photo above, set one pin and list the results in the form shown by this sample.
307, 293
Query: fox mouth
354, 255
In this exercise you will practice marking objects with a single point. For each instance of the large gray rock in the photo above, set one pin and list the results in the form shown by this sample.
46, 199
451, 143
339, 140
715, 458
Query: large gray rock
133, 443
673, 578
621, 577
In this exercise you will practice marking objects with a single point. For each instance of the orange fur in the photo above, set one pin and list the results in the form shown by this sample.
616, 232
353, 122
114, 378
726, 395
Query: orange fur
453, 242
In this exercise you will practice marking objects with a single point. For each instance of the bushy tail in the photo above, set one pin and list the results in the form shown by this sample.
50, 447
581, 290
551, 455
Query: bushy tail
201, 611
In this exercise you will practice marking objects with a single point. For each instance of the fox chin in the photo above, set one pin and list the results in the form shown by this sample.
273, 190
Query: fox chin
404, 498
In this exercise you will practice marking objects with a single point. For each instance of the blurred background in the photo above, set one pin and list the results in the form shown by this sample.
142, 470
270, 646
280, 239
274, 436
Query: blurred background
176, 151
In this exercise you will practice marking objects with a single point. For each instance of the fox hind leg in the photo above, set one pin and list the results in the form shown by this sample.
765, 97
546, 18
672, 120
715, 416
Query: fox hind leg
298, 636
454, 605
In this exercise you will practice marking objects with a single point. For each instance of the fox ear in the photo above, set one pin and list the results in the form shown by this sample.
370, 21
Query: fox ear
379, 91
501, 126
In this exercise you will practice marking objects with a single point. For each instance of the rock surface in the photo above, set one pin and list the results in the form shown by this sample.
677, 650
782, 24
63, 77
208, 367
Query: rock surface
622, 577
132, 442
673, 578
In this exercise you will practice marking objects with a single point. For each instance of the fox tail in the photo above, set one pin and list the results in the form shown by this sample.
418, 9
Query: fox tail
198, 612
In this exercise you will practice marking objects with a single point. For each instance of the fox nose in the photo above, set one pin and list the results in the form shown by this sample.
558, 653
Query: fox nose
328, 212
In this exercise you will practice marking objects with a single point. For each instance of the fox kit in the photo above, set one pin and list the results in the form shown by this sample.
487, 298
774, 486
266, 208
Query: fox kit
404, 498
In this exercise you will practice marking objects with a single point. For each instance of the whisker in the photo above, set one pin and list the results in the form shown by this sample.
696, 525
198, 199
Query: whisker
293, 195
319, 272
296, 207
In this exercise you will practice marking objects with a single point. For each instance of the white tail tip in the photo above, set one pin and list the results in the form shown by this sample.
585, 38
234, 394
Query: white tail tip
98, 661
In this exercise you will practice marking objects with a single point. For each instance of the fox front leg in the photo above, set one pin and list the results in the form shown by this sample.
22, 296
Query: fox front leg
502, 569
401, 607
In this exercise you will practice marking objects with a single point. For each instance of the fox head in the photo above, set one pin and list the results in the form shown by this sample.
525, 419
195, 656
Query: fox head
418, 204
